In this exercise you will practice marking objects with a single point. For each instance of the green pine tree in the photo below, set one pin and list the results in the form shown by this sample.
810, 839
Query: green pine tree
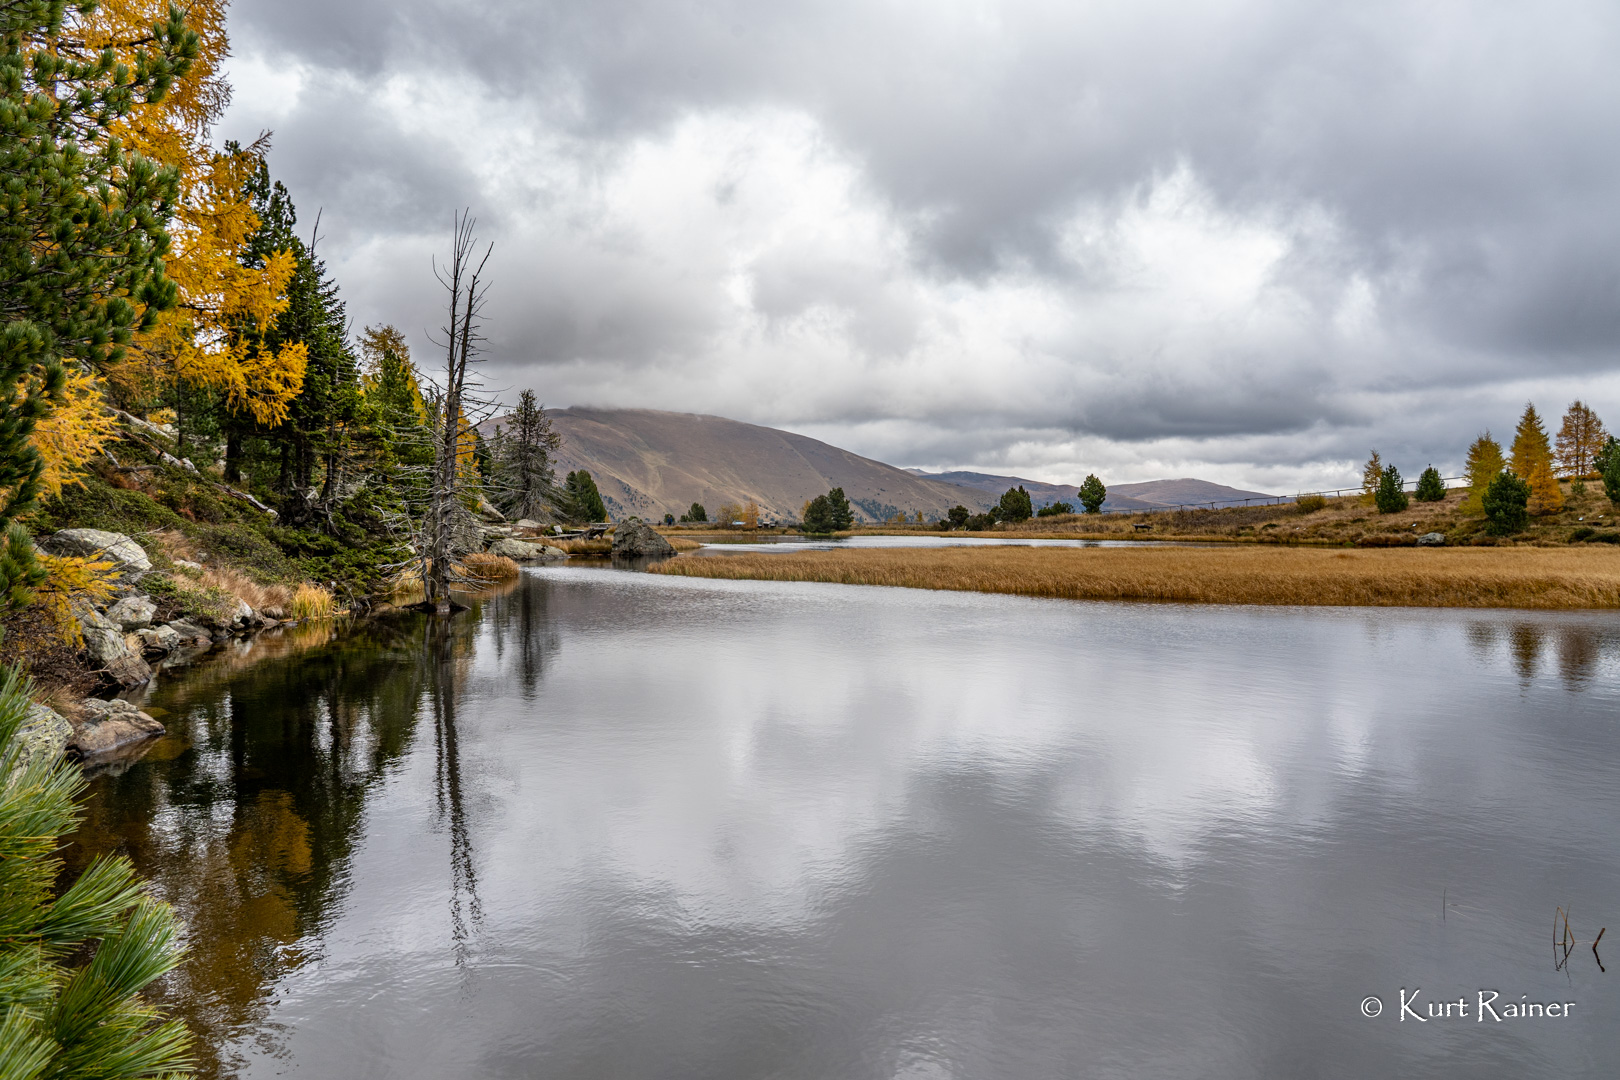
1092, 494
843, 516
82, 234
73, 964
1506, 504
1015, 505
1390, 495
1430, 487
582, 502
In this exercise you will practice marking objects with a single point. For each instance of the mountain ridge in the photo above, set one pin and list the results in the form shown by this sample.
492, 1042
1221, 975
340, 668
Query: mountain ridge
652, 462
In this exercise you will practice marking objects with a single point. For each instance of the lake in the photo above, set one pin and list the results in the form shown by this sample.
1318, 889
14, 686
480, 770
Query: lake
610, 824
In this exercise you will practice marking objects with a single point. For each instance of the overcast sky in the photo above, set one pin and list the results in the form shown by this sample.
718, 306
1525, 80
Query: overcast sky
1243, 240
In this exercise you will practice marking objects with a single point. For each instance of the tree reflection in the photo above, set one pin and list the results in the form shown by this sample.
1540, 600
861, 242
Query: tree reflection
248, 827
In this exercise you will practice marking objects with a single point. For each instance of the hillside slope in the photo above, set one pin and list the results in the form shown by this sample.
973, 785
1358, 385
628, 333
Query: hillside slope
650, 463
1152, 495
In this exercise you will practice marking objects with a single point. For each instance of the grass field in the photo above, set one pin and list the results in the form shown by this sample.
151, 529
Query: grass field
1521, 577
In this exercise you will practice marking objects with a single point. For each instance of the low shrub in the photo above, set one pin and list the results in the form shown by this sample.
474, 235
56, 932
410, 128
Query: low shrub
1310, 504
1585, 532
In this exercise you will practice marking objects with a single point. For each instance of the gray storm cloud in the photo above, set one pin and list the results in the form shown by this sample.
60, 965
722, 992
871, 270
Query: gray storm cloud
1247, 240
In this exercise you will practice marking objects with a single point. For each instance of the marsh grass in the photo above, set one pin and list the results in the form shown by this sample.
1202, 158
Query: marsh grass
311, 602
1545, 578
481, 566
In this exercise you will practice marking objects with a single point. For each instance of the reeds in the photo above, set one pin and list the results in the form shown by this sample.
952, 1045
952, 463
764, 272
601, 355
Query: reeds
482, 568
311, 602
1544, 578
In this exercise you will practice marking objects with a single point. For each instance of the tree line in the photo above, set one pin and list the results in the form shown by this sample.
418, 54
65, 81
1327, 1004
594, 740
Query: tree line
1511, 487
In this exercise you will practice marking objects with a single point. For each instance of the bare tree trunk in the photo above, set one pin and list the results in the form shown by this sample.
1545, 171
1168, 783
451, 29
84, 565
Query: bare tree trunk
463, 282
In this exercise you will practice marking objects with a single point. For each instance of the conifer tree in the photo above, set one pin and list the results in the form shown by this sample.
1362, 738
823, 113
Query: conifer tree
1504, 503
1530, 444
1093, 494
1430, 486
582, 501
73, 962
1372, 474
1483, 464
1391, 495
82, 237
1016, 505
1545, 496
1609, 468
1580, 439
525, 481
843, 515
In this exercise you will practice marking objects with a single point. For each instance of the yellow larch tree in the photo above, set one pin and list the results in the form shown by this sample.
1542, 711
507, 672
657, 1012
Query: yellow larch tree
1579, 440
1532, 462
201, 341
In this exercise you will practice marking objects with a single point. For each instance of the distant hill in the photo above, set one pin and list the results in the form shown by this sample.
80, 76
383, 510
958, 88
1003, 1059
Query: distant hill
1152, 495
652, 463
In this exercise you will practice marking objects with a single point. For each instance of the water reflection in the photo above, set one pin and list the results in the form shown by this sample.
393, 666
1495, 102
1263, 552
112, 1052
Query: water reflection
613, 824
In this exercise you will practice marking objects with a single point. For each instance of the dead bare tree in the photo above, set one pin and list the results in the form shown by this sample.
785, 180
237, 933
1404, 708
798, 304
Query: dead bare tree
446, 530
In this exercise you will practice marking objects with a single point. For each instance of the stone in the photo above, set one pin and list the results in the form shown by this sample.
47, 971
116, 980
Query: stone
132, 613
110, 653
634, 538
522, 551
188, 565
242, 617
44, 734
158, 640
1433, 539
488, 512
528, 523
110, 726
189, 632
128, 558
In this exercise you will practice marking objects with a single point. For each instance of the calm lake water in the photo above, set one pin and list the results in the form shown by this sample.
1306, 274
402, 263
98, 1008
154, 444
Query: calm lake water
903, 540
617, 825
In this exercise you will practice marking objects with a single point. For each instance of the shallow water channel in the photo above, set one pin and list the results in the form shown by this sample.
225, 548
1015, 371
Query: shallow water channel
610, 824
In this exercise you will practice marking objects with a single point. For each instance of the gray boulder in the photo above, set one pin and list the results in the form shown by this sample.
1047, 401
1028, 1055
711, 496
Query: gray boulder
44, 734
132, 613
489, 512
111, 725
634, 538
522, 551
1433, 539
189, 632
158, 640
110, 653
128, 557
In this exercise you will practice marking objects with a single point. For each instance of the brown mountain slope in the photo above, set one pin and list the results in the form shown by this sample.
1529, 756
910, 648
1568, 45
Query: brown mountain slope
650, 463
1151, 495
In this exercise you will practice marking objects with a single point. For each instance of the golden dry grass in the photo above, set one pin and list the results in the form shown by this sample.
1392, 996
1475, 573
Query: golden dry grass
311, 602
599, 546
1547, 578
271, 601
483, 568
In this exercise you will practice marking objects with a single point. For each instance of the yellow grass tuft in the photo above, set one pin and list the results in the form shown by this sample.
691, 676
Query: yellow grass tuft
1545, 578
483, 568
311, 602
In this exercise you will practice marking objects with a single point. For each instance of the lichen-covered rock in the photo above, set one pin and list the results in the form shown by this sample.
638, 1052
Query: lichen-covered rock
44, 734
110, 653
158, 640
522, 551
1433, 539
128, 558
634, 538
132, 613
488, 512
189, 632
110, 726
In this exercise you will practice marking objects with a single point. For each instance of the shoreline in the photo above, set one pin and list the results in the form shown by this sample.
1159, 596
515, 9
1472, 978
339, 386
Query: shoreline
1528, 578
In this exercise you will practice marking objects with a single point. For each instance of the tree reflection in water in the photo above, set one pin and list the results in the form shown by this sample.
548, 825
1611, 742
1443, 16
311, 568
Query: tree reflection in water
245, 816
